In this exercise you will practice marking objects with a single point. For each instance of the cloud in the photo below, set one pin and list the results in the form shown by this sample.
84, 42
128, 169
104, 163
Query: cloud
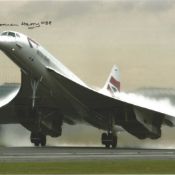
56, 9
147, 6
62, 10
157, 5
75, 9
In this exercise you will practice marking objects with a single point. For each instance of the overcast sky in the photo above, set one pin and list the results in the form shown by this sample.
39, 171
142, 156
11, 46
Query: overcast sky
90, 36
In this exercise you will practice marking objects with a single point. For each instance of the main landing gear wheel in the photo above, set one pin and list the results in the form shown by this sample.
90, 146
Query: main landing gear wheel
38, 139
109, 139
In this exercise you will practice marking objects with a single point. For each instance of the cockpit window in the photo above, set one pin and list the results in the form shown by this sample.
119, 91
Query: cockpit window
11, 34
4, 33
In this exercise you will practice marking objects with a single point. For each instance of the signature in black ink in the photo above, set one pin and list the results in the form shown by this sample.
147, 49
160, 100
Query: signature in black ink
29, 25
5, 24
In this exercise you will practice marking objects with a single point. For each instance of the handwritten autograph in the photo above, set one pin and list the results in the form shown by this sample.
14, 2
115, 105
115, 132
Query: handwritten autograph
29, 25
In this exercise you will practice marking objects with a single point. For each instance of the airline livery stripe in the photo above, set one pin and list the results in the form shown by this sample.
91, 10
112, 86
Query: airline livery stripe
115, 83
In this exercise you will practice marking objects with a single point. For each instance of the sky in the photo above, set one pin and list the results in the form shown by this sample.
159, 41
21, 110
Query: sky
89, 37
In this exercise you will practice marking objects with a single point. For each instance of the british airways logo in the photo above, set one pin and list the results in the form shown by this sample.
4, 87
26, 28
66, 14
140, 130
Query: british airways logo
113, 86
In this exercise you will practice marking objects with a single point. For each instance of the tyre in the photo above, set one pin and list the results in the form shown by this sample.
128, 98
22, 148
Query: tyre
107, 145
104, 138
43, 140
114, 141
36, 144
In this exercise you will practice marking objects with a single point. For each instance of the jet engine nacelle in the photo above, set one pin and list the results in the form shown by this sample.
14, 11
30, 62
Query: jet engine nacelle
139, 122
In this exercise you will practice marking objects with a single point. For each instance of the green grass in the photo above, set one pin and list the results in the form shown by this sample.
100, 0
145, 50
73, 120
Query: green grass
90, 167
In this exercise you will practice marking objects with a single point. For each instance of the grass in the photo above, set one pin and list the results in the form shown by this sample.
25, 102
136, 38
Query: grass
90, 167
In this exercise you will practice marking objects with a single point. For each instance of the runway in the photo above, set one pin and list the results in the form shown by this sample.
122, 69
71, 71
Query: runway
53, 154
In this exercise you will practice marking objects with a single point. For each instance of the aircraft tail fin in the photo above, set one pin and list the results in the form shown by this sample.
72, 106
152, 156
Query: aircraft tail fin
113, 82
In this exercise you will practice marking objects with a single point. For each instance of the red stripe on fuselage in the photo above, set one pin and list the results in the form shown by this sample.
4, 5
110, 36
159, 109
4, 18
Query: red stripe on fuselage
115, 83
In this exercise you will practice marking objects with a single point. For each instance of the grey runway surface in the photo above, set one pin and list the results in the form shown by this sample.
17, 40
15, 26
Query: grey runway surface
53, 154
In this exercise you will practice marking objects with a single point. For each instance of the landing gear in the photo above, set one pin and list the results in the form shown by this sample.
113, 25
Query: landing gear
34, 85
38, 139
109, 139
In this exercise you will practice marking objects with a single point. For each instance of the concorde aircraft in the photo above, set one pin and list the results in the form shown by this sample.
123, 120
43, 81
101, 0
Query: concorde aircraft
50, 94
